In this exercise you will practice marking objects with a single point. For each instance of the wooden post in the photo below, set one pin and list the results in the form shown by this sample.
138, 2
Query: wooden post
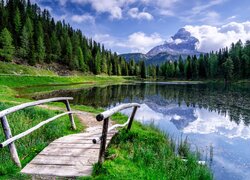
73, 125
103, 140
12, 147
131, 118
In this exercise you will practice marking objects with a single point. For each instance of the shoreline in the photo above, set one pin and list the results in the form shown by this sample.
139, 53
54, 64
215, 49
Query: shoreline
120, 149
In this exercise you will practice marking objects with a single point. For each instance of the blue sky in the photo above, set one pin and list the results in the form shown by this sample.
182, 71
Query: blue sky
139, 25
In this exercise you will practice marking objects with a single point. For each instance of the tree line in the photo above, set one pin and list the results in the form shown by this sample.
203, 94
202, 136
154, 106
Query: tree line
227, 63
32, 35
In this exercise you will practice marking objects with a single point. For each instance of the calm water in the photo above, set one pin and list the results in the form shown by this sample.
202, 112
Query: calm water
214, 117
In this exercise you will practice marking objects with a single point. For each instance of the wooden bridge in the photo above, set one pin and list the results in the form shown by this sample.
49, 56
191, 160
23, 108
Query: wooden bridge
72, 155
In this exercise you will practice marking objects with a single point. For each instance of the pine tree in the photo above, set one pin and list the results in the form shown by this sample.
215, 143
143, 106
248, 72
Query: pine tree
18, 25
6, 47
143, 69
188, 68
104, 65
213, 65
40, 49
24, 49
82, 65
68, 52
228, 67
97, 63
55, 47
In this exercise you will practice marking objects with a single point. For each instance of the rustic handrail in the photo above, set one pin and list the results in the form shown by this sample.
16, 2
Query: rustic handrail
105, 116
7, 131
25, 133
110, 112
29, 104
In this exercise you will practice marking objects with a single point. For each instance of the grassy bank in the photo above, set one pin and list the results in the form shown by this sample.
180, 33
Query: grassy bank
16, 69
32, 144
143, 153
15, 81
146, 153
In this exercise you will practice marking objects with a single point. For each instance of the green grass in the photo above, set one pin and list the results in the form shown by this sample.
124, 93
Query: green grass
32, 144
16, 81
143, 153
11, 68
146, 153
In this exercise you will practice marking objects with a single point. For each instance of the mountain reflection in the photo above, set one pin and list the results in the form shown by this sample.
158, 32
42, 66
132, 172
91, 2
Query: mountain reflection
232, 101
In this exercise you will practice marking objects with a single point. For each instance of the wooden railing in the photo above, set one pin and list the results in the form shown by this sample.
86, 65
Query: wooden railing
7, 131
105, 116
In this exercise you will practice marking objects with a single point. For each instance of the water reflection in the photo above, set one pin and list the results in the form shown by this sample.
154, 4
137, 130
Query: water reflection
233, 101
209, 114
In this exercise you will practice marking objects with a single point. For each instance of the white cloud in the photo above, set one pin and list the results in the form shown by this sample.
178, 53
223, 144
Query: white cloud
134, 13
105, 39
203, 12
214, 38
116, 8
135, 42
203, 7
83, 18
166, 4
140, 42
232, 17
113, 7
210, 122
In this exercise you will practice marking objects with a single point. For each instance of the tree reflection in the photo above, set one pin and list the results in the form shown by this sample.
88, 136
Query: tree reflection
231, 100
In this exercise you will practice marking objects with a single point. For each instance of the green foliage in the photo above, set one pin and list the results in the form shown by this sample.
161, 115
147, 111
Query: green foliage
6, 47
10, 68
24, 48
143, 69
232, 63
17, 22
82, 65
97, 63
228, 67
32, 144
40, 49
146, 153
38, 38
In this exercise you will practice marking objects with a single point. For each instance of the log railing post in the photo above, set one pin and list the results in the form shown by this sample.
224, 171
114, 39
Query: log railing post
131, 118
103, 140
73, 125
12, 147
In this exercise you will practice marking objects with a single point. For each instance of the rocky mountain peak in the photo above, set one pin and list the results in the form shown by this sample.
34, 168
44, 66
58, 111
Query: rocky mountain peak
182, 34
181, 43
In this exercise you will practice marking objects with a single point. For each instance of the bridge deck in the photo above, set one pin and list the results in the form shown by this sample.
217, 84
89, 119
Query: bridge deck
69, 156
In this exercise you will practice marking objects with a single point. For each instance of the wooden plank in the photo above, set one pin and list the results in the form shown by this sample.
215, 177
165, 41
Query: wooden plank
77, 141
72, 145
69, 151
29, 104
92, 134
69, 156
57, 170
63, 160
84, 138
8, 135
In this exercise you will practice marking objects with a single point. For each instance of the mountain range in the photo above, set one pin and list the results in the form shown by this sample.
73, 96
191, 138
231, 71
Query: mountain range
181, 44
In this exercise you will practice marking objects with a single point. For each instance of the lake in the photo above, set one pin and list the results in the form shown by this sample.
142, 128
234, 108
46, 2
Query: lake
215, 118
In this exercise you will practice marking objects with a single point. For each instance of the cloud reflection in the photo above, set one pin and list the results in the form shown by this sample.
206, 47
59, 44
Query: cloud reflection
193, 120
